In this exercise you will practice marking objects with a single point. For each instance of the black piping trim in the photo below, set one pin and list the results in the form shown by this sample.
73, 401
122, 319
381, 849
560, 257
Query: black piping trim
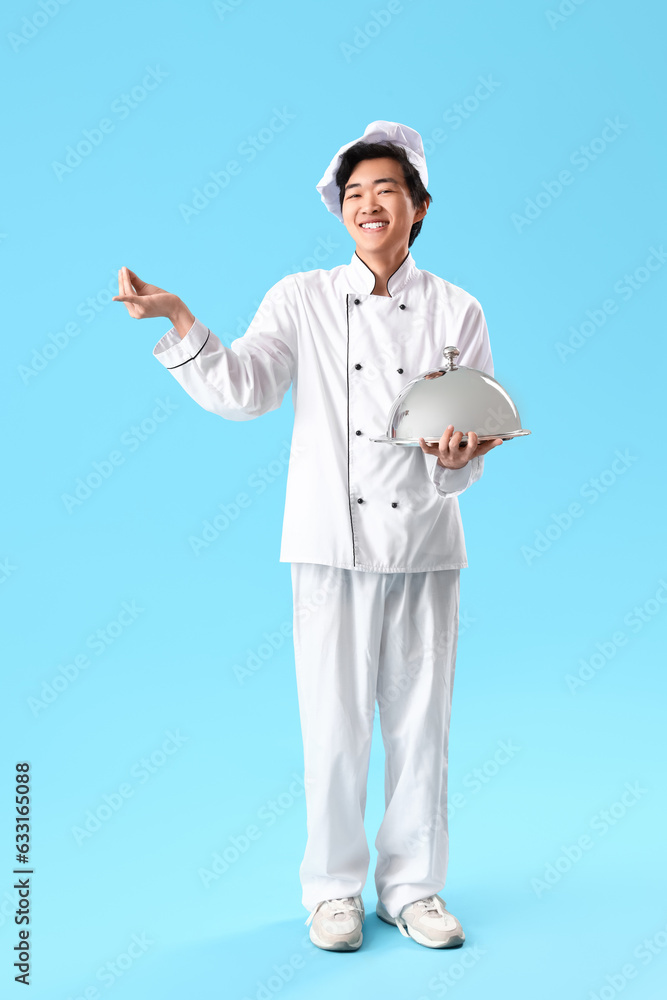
349, 502
171, 367
391, 275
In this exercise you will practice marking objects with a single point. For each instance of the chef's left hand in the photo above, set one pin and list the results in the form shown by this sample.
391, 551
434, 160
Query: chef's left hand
451, 454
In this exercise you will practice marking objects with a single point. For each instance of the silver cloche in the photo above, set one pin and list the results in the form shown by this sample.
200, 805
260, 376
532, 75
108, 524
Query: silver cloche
468, 398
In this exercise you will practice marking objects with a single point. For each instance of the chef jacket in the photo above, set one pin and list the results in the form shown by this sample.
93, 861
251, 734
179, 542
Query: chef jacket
347, 353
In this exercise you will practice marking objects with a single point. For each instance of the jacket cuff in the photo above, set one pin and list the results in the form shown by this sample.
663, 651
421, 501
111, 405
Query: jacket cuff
453, 482
172, 351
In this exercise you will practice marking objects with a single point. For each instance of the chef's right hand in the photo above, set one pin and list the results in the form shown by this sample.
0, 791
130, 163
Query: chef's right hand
143, 301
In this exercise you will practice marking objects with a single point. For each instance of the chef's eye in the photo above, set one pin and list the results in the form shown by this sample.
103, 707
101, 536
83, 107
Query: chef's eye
381, 191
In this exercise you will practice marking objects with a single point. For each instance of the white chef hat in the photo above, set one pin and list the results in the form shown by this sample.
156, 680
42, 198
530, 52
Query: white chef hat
379, 131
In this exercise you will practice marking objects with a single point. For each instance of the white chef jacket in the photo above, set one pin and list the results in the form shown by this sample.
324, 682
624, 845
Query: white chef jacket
347, 353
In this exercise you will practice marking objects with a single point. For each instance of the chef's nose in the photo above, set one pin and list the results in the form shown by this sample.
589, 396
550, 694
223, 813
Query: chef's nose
369, 202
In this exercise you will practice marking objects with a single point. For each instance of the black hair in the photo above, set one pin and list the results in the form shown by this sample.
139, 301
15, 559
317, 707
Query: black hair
376, 150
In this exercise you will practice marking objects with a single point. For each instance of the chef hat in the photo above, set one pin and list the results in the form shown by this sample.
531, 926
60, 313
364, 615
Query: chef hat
378, 131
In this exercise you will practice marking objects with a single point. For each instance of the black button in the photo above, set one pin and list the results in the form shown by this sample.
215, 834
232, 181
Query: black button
360, 500
357, 366
357, 301
358, 432
400, 371
394, 504
401, 306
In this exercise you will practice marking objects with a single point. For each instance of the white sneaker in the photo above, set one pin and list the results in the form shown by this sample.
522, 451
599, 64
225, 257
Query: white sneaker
427, 922
336, 924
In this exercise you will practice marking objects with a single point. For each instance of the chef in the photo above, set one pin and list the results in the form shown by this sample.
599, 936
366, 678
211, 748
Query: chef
373, 532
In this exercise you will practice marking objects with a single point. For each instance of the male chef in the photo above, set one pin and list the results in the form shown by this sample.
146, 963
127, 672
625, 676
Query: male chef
373, 532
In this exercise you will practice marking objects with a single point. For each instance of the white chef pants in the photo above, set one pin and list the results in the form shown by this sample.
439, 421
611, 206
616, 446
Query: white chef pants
360, 637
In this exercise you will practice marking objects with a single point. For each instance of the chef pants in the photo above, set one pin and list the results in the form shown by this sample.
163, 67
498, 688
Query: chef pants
362, 637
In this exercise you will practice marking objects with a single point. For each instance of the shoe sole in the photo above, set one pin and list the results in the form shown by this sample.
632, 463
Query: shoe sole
336, 945
455, 940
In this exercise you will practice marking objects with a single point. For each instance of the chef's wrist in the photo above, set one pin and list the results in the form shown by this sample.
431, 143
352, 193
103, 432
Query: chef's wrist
452, 468
181, 317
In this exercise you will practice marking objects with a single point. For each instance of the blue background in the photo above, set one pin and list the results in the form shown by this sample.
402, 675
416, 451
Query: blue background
539, 601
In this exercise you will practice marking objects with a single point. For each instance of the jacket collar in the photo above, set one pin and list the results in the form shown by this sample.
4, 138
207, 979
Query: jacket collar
361, 278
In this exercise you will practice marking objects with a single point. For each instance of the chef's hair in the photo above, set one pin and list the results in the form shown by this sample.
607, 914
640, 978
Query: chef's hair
376, 150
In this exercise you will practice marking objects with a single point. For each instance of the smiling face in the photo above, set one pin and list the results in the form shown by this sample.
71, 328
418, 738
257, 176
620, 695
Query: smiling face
377, 207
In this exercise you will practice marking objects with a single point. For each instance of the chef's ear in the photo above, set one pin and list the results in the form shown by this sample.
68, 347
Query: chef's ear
422, 210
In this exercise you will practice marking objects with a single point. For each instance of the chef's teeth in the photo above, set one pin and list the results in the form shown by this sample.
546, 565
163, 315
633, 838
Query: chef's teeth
373, 225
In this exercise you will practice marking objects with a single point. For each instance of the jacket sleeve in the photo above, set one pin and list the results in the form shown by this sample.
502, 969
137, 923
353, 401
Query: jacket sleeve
251, 376
475, 352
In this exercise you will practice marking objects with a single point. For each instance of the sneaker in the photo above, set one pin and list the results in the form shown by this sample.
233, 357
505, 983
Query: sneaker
336, 924
427, 922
